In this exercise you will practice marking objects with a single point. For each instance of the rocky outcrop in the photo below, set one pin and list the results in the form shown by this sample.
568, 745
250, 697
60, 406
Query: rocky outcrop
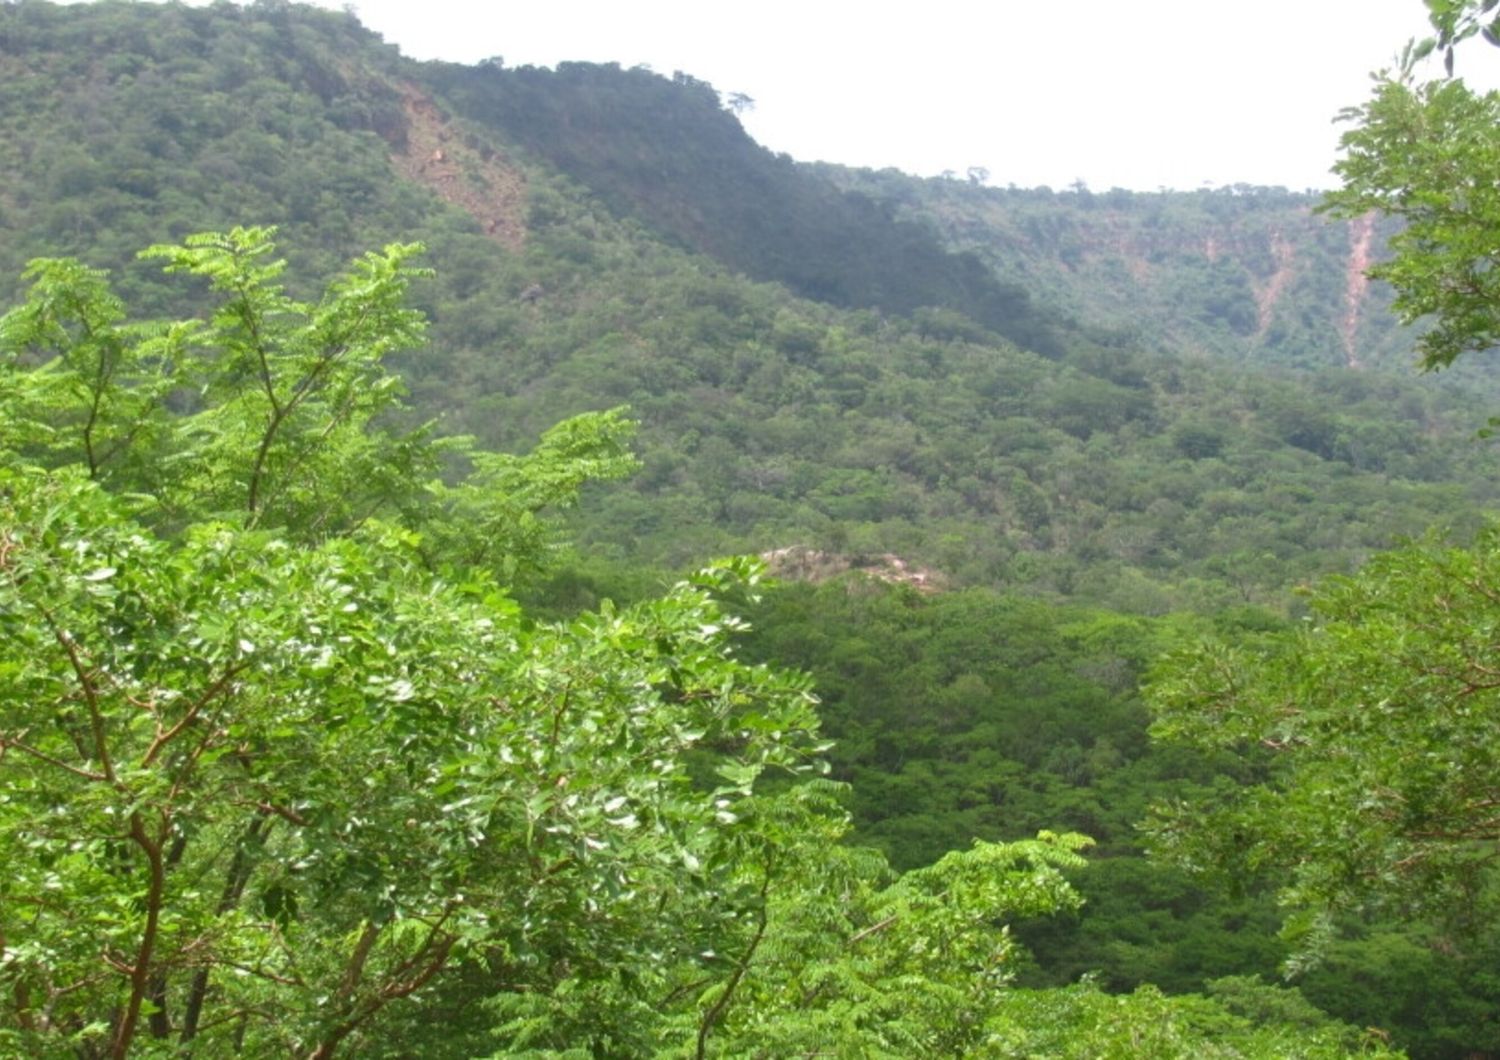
804, 564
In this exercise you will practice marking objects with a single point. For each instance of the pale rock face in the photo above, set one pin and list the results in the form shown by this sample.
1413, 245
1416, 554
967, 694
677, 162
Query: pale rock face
802, 563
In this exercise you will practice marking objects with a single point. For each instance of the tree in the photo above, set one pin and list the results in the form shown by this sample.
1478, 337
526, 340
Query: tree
1456, 21
1425, 153
279, 752
1377, 730
1376, 727
277, 749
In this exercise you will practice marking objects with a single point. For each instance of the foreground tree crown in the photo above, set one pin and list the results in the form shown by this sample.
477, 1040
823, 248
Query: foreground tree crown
1426, 152
1377, 726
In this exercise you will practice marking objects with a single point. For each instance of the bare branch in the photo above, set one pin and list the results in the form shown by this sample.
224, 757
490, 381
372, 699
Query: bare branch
212, 692
90, 693
43, 756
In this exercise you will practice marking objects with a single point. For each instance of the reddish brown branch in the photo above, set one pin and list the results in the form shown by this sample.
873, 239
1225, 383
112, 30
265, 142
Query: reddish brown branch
716, 1010
90, 694
427, 962
164, 737
283, 812
140, 972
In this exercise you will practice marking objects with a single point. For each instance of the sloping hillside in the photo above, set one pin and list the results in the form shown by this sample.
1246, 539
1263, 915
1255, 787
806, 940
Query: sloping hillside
669, 153
1247, 273
581, 270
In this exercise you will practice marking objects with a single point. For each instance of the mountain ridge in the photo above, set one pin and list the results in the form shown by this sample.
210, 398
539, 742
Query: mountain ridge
1096, 462
1247, 273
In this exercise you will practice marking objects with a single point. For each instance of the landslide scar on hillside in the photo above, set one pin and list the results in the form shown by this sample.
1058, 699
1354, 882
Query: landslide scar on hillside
1361, 235
1267, 294
478, 182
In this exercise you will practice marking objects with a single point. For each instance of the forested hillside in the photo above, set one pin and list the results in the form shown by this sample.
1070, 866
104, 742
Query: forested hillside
1255, 275
446, 714
697, 179
1099, 468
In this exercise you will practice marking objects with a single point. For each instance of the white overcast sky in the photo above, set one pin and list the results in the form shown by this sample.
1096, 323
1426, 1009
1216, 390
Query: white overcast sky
1131, 93
1137, 94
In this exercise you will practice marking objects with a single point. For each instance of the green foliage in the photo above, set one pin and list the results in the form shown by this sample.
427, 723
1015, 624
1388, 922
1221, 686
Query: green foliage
385, 798
1455, 22
914, 968
258, 761
1436, 990
264, 412
1424, 153
1243, 1018
285, 775
1243, 273
1373, 729
194, 119
491, 516
1377, 728
972, 714
969, 713
765, 420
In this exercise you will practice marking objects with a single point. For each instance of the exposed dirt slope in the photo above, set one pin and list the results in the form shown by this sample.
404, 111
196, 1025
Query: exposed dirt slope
1361, 235
480, 182
1269, 292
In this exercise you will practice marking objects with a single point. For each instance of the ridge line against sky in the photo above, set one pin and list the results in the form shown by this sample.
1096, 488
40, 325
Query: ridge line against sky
1138, 94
